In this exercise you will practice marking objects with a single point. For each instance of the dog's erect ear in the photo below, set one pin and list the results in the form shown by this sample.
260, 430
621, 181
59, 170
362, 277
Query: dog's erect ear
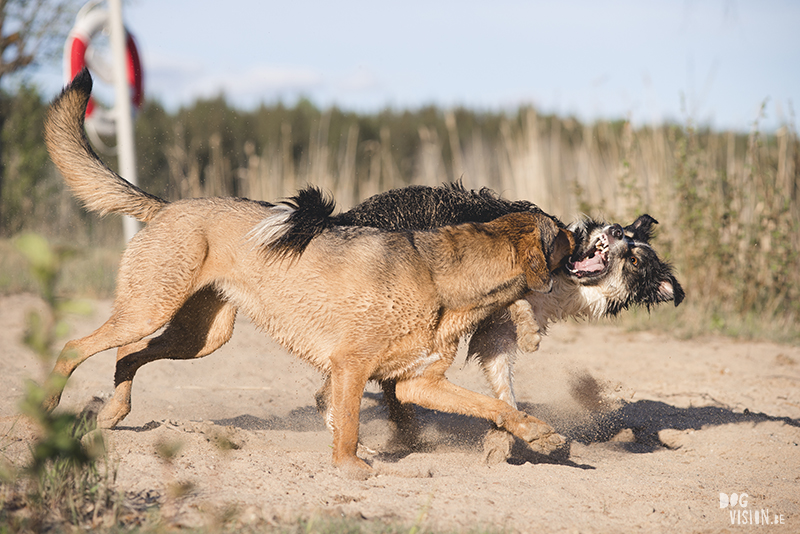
641, 229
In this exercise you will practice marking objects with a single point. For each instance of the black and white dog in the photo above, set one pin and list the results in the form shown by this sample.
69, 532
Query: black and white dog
612, 269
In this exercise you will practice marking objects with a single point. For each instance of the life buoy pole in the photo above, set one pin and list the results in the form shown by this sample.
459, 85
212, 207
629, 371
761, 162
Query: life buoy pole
125, 75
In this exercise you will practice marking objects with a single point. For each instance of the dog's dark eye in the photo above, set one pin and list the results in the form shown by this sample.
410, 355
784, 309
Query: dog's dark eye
634, 261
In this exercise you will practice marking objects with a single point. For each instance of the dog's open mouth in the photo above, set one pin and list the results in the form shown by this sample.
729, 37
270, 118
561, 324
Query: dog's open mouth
594, 262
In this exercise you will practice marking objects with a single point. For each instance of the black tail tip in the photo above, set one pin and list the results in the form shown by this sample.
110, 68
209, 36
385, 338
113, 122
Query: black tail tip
81, 82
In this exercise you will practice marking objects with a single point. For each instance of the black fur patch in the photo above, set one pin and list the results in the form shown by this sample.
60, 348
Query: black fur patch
420, 207
311, 217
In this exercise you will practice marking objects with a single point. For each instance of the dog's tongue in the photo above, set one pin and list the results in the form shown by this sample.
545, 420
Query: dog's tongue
589, 265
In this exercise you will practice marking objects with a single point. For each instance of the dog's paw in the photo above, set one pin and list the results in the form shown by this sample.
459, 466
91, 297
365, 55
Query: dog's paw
531, 429
528, 341
540, 436
497, 446
112, 413
528, 332
547, 444
355, 469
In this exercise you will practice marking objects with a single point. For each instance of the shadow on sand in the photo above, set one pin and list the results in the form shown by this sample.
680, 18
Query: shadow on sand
443, 431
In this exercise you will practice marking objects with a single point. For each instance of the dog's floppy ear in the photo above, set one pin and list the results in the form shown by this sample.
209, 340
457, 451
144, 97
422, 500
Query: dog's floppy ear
556, 244
537, 272
667, 289
641, 229
540, 245
670, 289
563, 246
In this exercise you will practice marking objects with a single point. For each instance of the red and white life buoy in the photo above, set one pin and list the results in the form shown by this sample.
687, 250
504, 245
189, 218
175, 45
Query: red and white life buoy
87, 25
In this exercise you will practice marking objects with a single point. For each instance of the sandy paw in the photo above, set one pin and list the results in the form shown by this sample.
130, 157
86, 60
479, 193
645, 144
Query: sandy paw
355, 469
548, 444
541, 437
111, 414
497, 446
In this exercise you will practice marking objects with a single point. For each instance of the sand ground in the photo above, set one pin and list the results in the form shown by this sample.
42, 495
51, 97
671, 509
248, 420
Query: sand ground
658, 427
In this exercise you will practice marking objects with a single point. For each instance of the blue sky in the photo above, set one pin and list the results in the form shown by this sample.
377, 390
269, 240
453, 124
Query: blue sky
714, 60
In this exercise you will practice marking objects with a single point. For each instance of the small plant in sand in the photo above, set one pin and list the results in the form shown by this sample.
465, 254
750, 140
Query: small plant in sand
65, 481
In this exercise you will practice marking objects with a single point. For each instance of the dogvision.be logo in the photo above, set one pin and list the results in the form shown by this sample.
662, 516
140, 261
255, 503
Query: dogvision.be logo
737, 505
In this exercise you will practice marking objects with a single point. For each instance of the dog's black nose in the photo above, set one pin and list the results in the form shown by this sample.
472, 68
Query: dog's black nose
616, 231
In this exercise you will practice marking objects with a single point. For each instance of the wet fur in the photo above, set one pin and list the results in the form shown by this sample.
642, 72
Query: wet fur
520, 326
357, 303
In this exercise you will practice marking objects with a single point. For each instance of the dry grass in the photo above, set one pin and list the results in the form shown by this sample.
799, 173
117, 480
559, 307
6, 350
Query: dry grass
86, 272
727, 203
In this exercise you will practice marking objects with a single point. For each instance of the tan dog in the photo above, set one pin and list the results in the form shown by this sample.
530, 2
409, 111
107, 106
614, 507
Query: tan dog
357, 303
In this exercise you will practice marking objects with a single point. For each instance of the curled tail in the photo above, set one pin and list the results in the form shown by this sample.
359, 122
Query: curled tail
99, 188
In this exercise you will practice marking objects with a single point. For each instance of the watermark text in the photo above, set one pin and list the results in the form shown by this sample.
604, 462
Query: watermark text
740, 514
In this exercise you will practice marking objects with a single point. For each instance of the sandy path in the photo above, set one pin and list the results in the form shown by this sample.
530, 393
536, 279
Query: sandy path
692, 419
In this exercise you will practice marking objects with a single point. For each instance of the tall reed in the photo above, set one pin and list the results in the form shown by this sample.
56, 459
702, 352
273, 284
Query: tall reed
727, 202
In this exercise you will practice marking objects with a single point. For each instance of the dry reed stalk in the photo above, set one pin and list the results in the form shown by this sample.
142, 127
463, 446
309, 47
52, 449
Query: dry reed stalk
184, 167
430, 168
455, 145
318, 156
287, 176
345, 189
218, 173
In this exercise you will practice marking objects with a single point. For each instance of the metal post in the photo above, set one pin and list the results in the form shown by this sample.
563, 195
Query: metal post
126, 148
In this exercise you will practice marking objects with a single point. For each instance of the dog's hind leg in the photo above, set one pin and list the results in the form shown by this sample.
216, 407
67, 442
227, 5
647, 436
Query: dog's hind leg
152, 286
203, 324
123, 327
402, 416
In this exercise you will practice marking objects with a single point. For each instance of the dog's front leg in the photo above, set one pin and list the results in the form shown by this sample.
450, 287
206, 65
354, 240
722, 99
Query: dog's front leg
528, 332
494, 345
347, 388
435, 392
